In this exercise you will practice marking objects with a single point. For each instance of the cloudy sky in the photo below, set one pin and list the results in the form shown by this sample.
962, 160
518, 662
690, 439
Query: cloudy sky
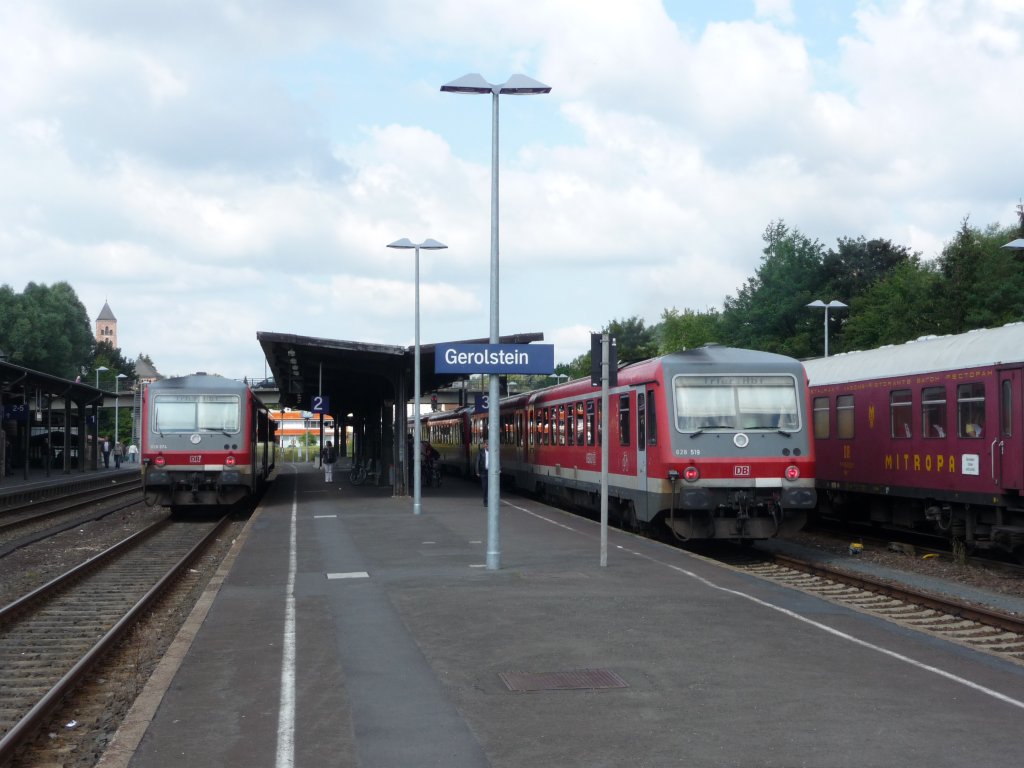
214, 168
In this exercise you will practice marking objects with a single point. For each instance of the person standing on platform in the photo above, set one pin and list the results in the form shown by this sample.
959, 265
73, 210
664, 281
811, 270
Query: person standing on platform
133, 453
330, 456
482, 465
118, 453
106, 453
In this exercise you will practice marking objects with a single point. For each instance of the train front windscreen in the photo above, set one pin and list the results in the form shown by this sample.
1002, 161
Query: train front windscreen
736, 402
196, 413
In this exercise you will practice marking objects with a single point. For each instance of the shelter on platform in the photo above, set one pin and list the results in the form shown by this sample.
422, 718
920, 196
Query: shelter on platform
360, 384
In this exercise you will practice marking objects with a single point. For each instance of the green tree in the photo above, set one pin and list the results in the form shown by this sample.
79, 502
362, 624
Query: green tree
633, 340
689, 329
855, 265
45, 328
897, 308
770, 311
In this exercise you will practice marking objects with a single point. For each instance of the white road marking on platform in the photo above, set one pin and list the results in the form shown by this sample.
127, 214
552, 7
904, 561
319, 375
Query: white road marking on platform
843, 635
349, 575
478, 565
286, 713
477, 541
430, 542
541, 517
318, 517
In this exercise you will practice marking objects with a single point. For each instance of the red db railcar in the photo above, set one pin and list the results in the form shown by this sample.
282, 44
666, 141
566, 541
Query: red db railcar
712, 443
206, 440
927, 435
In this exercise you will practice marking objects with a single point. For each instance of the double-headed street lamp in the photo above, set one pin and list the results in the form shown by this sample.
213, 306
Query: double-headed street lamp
517, 85
427, 245
834, 304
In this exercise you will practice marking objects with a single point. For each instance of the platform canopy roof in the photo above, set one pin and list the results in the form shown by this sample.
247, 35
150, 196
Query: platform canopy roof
15, 381
356, 376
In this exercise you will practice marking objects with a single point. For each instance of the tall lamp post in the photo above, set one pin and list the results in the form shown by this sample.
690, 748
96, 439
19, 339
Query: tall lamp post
427, 245
117, 425
101, 368
834, 304
517, 85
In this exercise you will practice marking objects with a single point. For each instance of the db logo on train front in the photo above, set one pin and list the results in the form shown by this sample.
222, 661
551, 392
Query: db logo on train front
195, 459
741, 470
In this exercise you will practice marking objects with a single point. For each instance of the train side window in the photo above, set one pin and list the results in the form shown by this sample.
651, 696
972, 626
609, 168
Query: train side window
821, 414
570, 424
1007, 409
545, 427
580, 425
624, 419
933, 412
844, 417
900, 413
970, 406
652, 419
641, 421
590, 422
561, 424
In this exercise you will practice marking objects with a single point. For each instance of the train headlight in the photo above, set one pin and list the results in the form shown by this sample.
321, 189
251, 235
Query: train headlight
792, 472
691, 474
160, 461
229, 461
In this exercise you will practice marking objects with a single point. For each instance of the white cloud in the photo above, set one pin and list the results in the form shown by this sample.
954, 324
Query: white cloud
215, 169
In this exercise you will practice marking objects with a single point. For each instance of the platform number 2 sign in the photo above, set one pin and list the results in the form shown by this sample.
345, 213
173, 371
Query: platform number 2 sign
321, 404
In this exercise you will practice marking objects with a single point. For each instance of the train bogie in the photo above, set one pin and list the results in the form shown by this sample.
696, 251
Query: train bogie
926, 436
206, 441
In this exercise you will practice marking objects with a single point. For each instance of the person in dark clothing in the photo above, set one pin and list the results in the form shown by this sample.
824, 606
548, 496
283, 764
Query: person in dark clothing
482, 466
329, 458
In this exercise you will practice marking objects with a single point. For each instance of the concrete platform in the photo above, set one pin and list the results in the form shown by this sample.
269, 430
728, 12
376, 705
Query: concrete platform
349, 632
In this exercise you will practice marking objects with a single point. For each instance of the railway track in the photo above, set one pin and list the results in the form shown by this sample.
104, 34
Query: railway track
50, 638
28, 523
980, 628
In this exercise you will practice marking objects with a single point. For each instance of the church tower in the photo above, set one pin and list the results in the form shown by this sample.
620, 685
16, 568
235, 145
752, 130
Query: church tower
106, 326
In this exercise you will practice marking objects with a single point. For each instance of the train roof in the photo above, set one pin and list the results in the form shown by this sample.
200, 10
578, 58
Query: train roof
928, 354
199, 382
715, 354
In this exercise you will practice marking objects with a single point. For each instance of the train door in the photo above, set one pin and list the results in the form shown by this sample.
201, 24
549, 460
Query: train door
1008, 446
641, 453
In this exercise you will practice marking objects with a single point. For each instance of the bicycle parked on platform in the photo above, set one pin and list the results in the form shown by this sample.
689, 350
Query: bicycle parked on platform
361, 472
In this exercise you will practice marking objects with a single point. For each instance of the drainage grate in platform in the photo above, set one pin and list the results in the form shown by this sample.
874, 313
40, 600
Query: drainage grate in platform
572, 680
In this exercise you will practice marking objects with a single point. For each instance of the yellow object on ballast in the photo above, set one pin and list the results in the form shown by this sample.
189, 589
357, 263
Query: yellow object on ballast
929, 556
856, 548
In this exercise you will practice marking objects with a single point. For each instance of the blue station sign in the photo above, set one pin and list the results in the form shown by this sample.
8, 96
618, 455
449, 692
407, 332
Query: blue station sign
494, 358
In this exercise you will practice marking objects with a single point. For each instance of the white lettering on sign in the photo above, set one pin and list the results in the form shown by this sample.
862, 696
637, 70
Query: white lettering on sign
486, 357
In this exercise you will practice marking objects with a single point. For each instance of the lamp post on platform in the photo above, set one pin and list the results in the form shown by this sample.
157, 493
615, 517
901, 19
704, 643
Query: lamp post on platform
101, 368
834, 304
427, 245
117, 389
519, 85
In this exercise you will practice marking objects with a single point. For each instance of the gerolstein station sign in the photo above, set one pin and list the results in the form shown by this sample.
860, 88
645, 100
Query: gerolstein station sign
494, 358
